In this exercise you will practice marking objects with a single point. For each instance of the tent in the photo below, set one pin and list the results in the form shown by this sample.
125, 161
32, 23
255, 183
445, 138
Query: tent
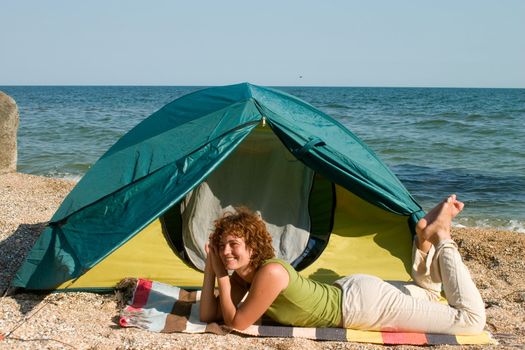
146, 206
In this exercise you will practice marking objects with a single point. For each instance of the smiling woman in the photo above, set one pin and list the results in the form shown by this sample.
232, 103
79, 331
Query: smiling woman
241, 242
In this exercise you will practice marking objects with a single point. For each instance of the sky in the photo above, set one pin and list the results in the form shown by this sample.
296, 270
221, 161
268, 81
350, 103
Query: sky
418, 43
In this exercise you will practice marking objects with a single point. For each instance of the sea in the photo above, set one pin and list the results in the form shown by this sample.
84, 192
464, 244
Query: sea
438, 141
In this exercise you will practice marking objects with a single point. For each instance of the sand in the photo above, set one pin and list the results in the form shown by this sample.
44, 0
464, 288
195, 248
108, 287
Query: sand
88, 321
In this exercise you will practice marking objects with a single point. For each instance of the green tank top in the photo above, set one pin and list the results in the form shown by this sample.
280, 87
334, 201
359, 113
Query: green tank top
305, 302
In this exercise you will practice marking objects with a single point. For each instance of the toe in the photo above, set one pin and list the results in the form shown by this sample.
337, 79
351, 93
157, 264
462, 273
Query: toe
421, 225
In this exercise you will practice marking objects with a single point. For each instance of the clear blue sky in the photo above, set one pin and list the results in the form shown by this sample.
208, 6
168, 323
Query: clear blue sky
456, 43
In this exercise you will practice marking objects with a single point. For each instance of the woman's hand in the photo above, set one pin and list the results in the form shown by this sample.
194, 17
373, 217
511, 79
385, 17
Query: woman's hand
210, 309
215, 260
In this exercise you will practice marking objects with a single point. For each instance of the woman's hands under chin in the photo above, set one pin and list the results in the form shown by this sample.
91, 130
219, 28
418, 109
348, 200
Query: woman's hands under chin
215, 260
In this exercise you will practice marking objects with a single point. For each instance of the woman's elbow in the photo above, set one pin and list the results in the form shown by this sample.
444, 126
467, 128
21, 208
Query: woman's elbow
207, 317
238, 324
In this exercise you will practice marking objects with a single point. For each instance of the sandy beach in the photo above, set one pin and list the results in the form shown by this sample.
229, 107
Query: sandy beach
88, 321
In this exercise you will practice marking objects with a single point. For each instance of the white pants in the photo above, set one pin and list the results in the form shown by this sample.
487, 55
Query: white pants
373, 304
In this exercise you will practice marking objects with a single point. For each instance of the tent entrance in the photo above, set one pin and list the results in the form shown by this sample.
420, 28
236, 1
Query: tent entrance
296, 204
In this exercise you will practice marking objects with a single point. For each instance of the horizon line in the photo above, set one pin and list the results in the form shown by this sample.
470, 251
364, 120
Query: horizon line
278, 86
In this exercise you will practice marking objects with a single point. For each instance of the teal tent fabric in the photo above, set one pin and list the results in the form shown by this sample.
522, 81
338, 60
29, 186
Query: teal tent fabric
155, 164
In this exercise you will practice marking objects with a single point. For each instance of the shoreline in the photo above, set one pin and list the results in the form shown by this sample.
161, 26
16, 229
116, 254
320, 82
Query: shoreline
86, 320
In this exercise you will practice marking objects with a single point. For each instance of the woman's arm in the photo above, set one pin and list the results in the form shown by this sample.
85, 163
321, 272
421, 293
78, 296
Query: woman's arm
268, 282
210, 308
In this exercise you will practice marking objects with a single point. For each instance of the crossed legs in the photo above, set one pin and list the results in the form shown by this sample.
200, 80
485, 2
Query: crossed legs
370, 303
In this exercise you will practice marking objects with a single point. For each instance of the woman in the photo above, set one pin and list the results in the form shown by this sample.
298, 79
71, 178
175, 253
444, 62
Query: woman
241, 243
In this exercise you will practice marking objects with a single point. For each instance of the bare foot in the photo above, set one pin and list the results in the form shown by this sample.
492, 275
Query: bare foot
435, 226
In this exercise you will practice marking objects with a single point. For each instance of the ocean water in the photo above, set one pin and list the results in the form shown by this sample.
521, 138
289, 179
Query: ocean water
437, 140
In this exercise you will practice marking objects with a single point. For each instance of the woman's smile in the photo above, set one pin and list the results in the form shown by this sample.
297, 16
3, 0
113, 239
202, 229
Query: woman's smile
228, 259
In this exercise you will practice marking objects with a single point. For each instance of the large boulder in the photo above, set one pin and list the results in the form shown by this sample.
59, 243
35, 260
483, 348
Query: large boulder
8, 129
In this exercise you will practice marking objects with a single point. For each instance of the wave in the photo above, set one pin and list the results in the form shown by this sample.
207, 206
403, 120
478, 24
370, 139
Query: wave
71, 177
64, 176
334, 106
502, 225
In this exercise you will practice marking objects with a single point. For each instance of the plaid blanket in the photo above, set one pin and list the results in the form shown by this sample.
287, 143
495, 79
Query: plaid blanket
163, 308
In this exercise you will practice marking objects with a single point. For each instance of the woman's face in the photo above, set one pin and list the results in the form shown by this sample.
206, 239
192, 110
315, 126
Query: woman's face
234, 253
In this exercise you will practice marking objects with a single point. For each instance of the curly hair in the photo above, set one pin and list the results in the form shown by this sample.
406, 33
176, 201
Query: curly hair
248, 226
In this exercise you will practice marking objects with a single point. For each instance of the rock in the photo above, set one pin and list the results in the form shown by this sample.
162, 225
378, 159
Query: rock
520, 297
8, 129
494, 262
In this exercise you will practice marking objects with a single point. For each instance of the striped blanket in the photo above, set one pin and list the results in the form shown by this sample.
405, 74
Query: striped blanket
163, 308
